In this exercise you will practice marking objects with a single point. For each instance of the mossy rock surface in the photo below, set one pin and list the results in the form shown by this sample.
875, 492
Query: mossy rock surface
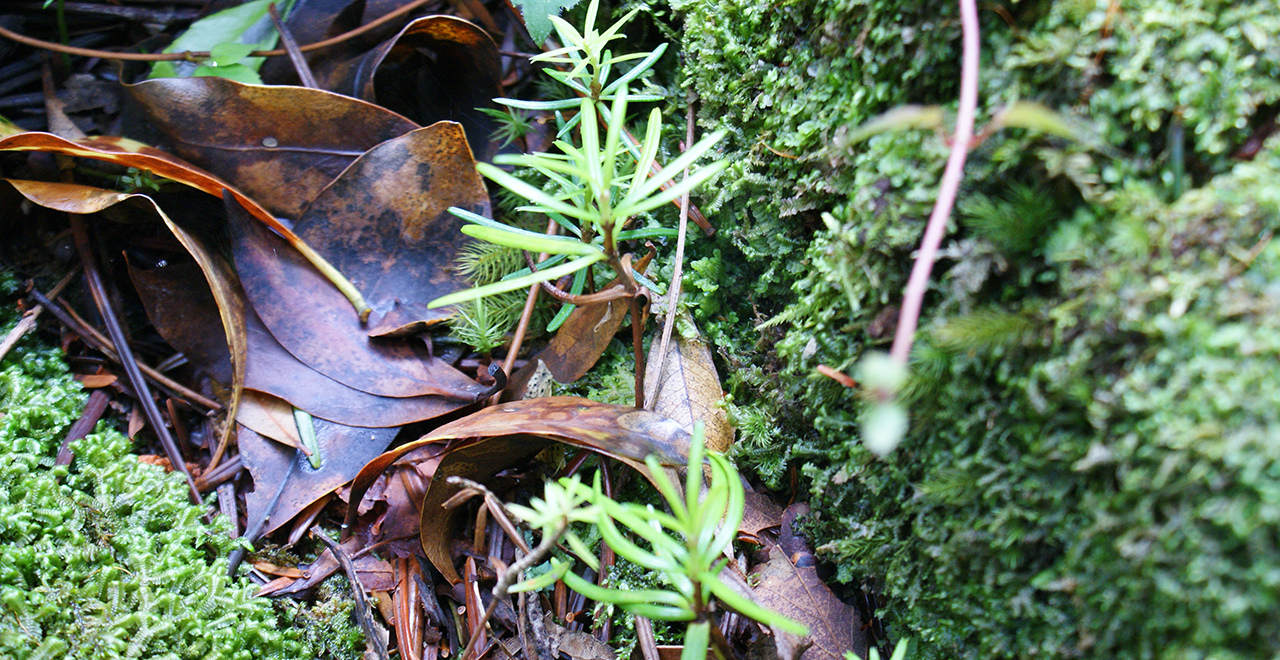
1092, 467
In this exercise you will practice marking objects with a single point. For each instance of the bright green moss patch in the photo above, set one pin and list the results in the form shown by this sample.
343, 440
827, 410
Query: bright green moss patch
107, 559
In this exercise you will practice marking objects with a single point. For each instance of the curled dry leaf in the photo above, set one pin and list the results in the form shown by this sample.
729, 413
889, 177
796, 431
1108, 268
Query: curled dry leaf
219, 277
688, 389
438, 68
130, 153
181, 307
281, 145
501, 436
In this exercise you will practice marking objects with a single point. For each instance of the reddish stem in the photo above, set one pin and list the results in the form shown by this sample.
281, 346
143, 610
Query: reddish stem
913, 298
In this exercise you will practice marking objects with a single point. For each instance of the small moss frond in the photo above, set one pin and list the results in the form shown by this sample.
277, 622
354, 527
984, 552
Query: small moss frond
985, 330
485, 263
1015, 221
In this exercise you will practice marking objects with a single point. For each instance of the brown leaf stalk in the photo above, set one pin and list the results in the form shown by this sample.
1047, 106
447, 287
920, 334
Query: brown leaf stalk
673, 291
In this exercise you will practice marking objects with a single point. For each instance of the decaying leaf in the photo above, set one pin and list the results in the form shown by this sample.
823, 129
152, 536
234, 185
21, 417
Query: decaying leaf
273, 370
797, 592
343, 451
498, 437
269, 417
385, 223
281, 145
438, 68
218, 274
314, 323
578, 344
182, 309
130, 153
688, 389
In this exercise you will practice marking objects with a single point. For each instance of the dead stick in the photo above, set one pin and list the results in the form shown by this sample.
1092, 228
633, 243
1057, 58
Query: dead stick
364, 615
131, 370
291, 47
28, 320
673, 291
637, 348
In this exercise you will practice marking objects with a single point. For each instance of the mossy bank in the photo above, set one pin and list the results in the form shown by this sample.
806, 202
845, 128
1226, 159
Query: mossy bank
107, 558
1092, 468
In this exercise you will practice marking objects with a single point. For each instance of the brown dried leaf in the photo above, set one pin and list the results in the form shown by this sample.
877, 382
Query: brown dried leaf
272, 370
385, 223
797, 592
437, 68
501, 436
219, 277
688, 389
281, 145
314, 322
180, 306
270, 417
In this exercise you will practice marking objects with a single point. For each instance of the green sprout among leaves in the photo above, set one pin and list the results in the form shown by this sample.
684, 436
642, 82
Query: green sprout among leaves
599, 184
686, 547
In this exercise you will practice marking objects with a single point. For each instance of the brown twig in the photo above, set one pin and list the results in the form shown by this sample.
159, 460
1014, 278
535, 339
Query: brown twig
673, 291
131, 370
107, 347
291, 47
913, 298
364, 614
513, 350
509, 578
196, 56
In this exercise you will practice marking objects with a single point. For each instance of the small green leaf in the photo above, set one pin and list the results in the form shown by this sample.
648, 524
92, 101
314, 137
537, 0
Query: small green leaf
237, 72
531, 241
518, 283
697, 637
558, 569
226, 54
536, 15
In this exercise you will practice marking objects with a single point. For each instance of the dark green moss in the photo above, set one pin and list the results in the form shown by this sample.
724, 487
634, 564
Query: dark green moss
1090, 470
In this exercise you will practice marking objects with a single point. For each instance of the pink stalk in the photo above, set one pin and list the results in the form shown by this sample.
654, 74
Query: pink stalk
913, 298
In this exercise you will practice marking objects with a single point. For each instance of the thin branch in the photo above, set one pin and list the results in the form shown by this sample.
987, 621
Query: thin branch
99, 291
196, 56
291, 47
513, 350
509, 578
918, 283
677, 275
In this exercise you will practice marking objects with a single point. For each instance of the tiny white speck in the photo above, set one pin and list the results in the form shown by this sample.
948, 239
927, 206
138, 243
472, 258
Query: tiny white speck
270, 142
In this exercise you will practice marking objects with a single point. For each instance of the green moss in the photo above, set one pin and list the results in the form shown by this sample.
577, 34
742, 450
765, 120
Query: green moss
107, 558
1089, 470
